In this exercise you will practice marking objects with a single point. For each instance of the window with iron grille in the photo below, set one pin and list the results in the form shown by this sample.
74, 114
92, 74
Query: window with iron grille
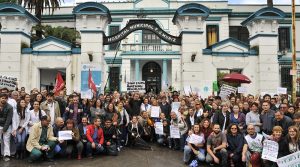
284, 38
112, 31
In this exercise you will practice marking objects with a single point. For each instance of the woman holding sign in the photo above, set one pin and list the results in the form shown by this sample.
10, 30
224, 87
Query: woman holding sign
195, 145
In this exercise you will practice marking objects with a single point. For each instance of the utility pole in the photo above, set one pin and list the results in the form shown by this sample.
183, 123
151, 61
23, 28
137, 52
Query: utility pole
294, 65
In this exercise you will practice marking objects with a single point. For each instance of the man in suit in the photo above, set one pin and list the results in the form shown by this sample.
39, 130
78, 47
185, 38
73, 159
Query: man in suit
51, 107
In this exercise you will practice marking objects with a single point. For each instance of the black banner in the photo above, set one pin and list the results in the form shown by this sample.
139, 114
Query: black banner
134, 25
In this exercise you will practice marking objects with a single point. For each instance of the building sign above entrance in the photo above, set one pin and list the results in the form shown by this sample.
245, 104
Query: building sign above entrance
134, 25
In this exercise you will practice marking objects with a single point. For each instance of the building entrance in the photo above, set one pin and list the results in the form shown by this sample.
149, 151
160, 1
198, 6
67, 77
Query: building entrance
152, 77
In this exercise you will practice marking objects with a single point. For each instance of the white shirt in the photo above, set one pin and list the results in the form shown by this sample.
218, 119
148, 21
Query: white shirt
34, 118
51, 112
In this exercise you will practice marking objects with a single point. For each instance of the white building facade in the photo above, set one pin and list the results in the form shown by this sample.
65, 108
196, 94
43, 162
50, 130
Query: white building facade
164, 43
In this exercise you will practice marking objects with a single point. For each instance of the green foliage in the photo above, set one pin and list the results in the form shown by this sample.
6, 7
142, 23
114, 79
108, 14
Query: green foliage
64, 33
24, 45
220, 76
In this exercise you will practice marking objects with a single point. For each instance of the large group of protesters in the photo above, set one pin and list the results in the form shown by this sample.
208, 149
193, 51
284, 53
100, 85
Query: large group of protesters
217, 131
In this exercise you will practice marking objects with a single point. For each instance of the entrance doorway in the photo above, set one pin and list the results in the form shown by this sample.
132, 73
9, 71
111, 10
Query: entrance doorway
152, 77
48, 78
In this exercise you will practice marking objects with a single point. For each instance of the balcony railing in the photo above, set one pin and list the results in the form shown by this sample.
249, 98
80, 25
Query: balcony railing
146, 47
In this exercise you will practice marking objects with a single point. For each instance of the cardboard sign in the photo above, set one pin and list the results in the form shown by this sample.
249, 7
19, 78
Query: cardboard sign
292, 160
227, 90
136, 86
242, 89
270, 150
159, 128
174, 132
8, 82
281, 90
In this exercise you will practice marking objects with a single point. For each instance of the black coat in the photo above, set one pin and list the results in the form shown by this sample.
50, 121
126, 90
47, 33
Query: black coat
219, 119
135, 107
81, 132
166, 109
284, 147
109, 133
188, 120
140, 129
6, 116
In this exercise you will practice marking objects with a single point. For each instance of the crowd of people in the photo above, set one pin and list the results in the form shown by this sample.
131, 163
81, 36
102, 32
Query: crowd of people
216, 131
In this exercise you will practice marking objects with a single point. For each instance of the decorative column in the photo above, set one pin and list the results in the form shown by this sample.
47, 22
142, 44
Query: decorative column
137, 70
263, 32
193, 42
91, 21
165, 74
15, 35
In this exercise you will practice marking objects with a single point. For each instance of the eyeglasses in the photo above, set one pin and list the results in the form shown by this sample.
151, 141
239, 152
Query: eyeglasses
233, 128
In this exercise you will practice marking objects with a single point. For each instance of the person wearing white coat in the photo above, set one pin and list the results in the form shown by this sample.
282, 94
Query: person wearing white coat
20, 122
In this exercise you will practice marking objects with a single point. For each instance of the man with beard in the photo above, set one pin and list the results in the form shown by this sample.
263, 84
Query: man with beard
216, 147
253, 147
6, 114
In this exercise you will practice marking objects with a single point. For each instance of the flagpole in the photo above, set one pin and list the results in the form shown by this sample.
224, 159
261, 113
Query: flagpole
294, 65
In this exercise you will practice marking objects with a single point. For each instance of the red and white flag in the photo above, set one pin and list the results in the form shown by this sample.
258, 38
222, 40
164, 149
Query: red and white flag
91, 82
59, 85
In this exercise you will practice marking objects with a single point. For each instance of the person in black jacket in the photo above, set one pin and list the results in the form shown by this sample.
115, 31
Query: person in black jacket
165, 107
222, 117
6, 114
135, 105
82, 127
235, 141
135, 131
191, 118
291, 143
110, 138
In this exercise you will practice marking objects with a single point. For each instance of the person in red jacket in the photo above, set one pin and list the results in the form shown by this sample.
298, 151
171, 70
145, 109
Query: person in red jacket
95, 138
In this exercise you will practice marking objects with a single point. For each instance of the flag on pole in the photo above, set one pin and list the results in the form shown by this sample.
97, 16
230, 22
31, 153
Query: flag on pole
215, 86
59, 85
91, 82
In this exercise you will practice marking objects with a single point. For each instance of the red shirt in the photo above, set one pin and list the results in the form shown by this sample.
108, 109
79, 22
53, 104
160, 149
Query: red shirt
90, 132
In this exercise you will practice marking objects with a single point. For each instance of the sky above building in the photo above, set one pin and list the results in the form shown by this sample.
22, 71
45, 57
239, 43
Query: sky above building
73, 2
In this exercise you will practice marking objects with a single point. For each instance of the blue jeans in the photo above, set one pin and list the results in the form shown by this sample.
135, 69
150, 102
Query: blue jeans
90, 150
188, 152
21, 138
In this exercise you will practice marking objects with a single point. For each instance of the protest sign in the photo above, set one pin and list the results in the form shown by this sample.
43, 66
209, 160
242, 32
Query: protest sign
195, 139
281, 90
88, 94
227, 90
8, 82
206, 88
270, 150
174, 132
155, 111
159, 128
65, 135
175, 106
292, 160
187, 90
242, 89
136, 86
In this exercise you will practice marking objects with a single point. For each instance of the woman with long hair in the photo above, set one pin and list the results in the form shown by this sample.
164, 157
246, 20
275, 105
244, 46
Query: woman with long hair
195, 145
291, 143
20, 121
123, 123
35, 115
97, 111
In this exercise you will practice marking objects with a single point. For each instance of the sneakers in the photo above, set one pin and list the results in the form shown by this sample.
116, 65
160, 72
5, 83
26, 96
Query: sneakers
119, 149
6, 158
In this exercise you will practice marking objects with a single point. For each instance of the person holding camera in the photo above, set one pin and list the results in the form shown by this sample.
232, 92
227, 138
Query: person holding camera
41, 140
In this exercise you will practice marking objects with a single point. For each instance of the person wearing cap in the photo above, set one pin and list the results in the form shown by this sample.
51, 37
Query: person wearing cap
51, 107
6, 115
41, 140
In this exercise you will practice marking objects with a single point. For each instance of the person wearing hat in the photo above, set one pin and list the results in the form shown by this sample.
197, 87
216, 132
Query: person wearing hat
51, 107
